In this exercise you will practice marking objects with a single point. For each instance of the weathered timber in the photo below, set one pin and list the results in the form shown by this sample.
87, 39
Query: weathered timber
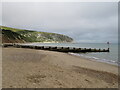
55, 48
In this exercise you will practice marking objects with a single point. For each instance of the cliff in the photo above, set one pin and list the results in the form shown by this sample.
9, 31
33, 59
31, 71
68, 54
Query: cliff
13, 35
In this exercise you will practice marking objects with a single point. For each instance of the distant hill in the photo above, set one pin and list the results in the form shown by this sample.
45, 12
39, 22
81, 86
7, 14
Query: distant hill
13, 35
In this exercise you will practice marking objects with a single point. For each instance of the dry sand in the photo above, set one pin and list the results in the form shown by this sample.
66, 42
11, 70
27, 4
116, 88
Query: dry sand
28, 68
0, 67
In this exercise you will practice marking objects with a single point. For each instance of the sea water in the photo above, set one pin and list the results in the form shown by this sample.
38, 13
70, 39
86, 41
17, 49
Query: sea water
108, 57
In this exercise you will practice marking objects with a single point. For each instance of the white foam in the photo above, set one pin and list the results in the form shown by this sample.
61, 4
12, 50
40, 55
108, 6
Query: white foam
96, 58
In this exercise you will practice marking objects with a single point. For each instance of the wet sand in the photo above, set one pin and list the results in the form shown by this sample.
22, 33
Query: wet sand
28, 68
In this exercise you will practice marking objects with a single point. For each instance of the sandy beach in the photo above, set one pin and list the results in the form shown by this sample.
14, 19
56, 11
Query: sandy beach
28, 68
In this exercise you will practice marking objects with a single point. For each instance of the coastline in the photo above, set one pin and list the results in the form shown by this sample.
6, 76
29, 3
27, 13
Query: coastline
111, 58
94, 59
49, 69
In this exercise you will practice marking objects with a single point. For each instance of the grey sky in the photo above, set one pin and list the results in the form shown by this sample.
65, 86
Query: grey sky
84, 22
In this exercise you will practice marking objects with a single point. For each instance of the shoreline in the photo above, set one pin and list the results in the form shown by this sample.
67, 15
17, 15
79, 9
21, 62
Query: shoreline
104, 60
48, 69
96, 60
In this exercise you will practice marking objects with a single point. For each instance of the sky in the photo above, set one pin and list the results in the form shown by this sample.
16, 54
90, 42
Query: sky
85, 22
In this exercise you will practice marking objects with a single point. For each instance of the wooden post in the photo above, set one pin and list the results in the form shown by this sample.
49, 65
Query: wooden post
108, 50
94, 49
79, 48
49, 48
68, 48
90, 49
42, 47
108, 44
99, 50
104, 50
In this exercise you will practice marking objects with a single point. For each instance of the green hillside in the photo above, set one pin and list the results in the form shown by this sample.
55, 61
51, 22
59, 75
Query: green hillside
13, 35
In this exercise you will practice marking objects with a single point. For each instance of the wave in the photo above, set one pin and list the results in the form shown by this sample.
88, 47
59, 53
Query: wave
96, 59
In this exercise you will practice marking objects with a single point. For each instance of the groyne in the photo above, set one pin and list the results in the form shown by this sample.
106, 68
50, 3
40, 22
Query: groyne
55, 48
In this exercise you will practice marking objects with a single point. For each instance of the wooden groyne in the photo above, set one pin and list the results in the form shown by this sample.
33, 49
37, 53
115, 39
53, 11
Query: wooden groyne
59, 49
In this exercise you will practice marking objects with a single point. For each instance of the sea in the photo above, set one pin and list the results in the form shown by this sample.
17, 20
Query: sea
107, 57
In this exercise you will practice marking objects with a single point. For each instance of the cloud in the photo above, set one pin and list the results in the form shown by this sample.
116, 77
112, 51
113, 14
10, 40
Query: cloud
85, 22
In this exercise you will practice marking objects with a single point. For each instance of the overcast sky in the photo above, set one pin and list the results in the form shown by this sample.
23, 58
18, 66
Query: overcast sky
84, 22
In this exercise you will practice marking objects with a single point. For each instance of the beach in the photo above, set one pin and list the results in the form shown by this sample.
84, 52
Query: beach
29, 68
